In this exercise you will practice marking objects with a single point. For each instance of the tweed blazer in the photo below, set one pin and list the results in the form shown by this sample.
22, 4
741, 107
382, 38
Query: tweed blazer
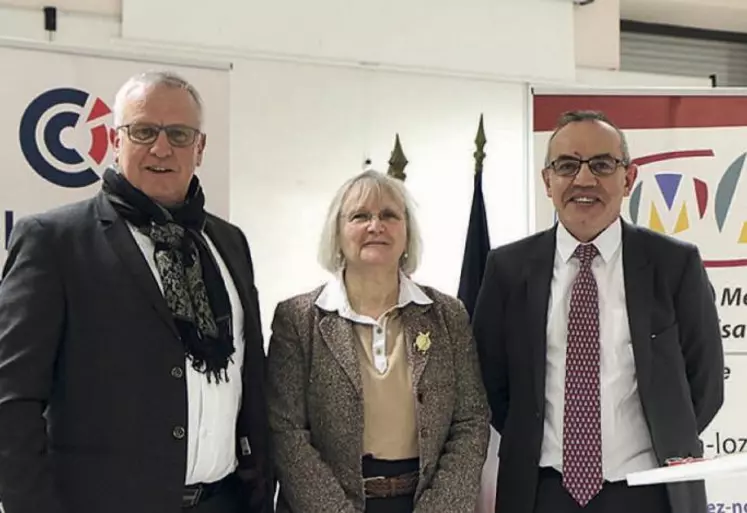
316, 407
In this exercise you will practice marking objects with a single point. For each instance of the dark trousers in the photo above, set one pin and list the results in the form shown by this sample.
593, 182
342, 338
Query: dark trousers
372, 468
226, 500
615, 497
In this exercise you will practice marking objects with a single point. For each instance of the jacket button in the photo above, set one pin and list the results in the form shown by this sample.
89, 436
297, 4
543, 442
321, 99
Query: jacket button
178, 432
177, 372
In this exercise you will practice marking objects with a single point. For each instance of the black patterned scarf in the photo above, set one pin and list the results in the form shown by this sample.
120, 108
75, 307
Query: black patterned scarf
192, 283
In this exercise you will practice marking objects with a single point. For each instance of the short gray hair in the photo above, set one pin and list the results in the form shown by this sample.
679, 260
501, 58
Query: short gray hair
577, 116
154, 78
365, 184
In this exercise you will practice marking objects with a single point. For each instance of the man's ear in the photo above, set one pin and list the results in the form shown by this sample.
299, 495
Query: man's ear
116, 136
631, 174
546, 180
201, 148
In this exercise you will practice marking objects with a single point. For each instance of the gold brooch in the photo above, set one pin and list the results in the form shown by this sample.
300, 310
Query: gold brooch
423, 341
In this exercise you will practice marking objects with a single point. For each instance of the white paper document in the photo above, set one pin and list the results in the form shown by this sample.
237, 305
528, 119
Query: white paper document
723, 466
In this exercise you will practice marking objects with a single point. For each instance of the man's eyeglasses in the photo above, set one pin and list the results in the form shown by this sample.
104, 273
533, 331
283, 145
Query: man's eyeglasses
147, 133
599, 166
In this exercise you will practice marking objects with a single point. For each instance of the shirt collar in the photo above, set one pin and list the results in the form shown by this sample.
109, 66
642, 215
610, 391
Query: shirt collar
607, 242
334, 296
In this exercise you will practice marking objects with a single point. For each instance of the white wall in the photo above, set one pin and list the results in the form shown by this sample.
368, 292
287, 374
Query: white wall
86, 27
486, 37
101, 7
304, 129
597, 35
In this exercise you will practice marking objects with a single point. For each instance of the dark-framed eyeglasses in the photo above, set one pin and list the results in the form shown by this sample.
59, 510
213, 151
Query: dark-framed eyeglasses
147, 133
604, 165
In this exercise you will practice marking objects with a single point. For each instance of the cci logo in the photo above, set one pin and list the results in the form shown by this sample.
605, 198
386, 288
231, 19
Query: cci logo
65, 138
686, 200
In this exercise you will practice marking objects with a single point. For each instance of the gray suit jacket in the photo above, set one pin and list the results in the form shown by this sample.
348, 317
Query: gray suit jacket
316, 407
676, 344
93, 399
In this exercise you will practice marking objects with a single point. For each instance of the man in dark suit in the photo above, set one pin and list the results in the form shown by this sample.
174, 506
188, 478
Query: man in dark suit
131, 353
599, 344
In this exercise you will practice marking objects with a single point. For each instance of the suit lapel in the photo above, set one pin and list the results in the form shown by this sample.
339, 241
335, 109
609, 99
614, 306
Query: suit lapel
416, 322
236, 265
638, 276
131, 257
537, 280
340, 337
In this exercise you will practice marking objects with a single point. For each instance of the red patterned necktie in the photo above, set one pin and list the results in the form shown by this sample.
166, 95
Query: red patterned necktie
582, 424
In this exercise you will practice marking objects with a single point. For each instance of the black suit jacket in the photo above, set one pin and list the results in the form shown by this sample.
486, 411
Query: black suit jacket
91, 401
676, 344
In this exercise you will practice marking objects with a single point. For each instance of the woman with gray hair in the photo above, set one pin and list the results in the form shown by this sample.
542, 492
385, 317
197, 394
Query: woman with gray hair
376, 401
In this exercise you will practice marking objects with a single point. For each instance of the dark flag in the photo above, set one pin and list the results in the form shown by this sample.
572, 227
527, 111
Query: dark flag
477, 245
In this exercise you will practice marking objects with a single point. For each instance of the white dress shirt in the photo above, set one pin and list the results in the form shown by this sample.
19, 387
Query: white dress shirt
212, 408
626, 442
